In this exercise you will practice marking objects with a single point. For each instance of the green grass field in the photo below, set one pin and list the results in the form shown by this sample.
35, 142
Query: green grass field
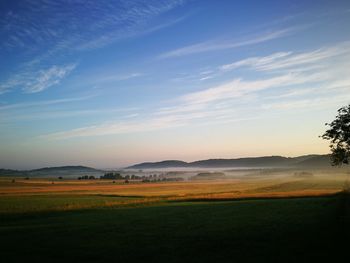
267, 230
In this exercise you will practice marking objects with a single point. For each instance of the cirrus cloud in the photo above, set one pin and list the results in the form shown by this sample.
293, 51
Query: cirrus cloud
37, 81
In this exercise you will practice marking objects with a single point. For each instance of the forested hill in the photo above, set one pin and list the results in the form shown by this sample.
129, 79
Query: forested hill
251, 162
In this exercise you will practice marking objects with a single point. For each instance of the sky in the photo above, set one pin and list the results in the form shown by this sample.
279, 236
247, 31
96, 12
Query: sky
112, 83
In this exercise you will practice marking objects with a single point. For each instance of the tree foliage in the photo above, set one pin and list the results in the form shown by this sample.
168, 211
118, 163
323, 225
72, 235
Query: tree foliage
339, 136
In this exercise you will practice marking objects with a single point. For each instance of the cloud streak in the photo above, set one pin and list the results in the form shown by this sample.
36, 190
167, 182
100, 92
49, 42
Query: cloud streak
120, 34
64, 29
194, 107
41, 103
290, 60
103, 22
222, 45
238, 88
117, 128
308, 103
47, 78
297, 79
48, 114
33, 82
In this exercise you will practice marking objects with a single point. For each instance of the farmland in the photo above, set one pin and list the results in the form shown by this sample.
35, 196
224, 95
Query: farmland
242, 217
42, 194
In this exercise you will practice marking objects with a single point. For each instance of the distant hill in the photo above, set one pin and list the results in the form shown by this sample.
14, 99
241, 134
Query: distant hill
316, 161
251, 162
66, 169
9, 172
162, 164
306, 161
63, 171
266, 161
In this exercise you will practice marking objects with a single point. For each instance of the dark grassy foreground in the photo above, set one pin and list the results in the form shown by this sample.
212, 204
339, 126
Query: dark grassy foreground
275, 230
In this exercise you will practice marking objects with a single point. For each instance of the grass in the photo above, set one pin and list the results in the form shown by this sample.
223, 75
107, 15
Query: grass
261, 185
37, 195
98, 221
38, 203
274, 230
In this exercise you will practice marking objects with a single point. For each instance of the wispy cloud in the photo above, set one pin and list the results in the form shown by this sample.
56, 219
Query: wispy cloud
289, 60
103, 22
255, 61
197, 76
50, 114
203, 105
124, 33
65, 29
32, 82
48, 78
221, 45
317, 73
229, 101
116, 77
153, 123
238, 88
41, 103
117, 128
308, 103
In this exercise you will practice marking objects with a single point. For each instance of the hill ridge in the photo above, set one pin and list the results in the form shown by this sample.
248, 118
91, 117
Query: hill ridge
261, 161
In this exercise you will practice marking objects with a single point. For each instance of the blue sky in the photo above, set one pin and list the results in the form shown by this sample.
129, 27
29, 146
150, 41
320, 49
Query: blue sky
111, 83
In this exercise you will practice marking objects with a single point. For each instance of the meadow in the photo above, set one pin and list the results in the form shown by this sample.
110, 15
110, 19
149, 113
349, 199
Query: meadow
46, 194
273, 217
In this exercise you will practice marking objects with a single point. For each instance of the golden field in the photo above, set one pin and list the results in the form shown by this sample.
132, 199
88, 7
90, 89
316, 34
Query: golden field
48, 194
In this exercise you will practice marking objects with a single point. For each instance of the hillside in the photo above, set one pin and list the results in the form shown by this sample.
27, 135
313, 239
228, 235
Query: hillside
306, 161
66, 168
9, 172
266, 161
315, 161
63, 171
162, 164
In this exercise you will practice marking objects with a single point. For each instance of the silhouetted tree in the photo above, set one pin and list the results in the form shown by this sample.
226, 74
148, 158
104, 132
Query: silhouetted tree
339, 136
112, 176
